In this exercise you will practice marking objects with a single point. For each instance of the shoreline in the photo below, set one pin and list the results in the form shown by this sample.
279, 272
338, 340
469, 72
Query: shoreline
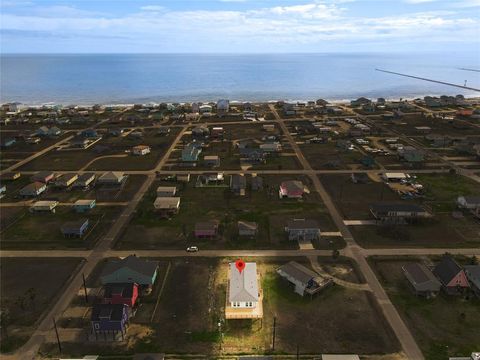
256, 101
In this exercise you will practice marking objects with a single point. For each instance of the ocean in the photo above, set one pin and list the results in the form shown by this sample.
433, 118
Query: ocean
141, 78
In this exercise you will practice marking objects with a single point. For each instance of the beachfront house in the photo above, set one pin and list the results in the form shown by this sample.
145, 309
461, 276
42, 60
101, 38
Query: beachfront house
85, 180
43, 176
66, 180
44, 206
112, 178
166, 191
206, 229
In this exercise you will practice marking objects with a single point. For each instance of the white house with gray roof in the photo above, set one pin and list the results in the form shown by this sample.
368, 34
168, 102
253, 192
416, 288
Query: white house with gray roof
243, 289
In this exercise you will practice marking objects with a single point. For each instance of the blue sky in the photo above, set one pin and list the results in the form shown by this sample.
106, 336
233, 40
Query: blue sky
239, 26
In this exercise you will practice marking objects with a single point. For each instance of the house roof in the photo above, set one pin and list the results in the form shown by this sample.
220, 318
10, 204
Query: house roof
86, 176
166, 202
298, 224
247, 225
113, 312
403, 207
125, 290
446, 269
293, 186
42, 175
473, 274
297, 271
142, 266
238, 181
471, 199
420, 276
45, 203
83, 202
169, 189
206, 225
111, 176
33, 186
67, 177
74, 226
243, 286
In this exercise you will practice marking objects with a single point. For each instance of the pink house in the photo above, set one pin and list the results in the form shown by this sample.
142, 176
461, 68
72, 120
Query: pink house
292, 189
452, 277
207, 229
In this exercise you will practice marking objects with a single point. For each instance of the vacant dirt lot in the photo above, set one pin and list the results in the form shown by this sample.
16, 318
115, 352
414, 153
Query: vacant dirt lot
28, 287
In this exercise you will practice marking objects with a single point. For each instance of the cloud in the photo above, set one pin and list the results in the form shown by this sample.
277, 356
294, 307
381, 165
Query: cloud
308, 26
154, 8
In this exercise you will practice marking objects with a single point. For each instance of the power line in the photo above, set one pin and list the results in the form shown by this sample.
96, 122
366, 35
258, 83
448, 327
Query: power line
430, 80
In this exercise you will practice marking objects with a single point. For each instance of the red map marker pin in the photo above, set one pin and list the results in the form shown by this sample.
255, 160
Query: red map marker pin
240, 265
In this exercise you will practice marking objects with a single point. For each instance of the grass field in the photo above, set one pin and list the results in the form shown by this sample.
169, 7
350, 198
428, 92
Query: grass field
27, 231
147, 230
437, 324
28, 286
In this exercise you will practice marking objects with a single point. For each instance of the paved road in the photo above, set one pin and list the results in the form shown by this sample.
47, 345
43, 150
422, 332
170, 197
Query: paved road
264, 172
30, 202
405, 337
237, 253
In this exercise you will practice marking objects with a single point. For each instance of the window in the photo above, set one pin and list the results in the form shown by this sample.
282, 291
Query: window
96, 326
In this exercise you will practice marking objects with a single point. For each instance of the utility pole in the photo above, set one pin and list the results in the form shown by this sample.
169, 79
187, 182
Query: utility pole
85, 288
274, 329
58, 338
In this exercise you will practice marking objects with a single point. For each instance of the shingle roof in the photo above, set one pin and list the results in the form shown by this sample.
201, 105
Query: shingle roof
112, 311
446, 269
243, 285
297, 271
142, 266
303, 224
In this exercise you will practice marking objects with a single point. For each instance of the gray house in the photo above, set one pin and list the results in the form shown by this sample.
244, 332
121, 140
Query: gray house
473, 276
398, 212
422, 280
302, 229
130, 269
238, 184
304, 280
247, 228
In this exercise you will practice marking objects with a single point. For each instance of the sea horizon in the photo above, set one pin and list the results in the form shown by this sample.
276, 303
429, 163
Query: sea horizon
107, 78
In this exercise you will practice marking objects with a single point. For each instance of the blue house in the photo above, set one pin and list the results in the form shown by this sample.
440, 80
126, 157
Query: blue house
191, 152
82, 206
75, 228
109, 319
8, 142
130, 269
89, 133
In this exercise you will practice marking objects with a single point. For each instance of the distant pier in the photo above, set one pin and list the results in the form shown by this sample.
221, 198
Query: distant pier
430, 80
467, 69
